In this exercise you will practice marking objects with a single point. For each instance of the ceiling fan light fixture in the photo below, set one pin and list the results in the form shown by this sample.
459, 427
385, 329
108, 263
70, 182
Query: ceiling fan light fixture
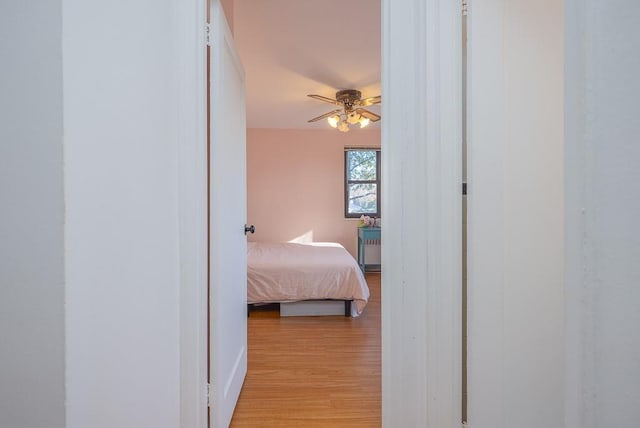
333, 121
343, 127
353, 118
363, 121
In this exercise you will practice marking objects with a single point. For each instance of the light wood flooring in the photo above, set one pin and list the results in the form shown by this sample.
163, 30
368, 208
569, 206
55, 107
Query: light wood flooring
313, 371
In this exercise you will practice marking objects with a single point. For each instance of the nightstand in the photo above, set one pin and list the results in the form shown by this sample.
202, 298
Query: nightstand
366, 234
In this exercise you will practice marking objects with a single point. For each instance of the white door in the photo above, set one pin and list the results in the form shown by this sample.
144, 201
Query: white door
228, 245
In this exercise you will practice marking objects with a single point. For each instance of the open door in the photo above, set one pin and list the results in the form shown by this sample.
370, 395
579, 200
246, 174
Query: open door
227, 241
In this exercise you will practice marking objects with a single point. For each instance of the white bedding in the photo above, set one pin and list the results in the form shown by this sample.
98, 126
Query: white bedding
288, 272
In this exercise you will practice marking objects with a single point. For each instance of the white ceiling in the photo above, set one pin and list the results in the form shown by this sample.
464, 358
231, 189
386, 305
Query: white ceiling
291, 48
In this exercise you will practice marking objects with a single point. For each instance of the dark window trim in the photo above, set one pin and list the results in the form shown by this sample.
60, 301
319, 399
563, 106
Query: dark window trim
347, 214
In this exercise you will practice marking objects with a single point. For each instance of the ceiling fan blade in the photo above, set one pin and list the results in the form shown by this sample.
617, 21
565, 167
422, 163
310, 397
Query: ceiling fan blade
324, 116
325, 99
370, 101
368, 114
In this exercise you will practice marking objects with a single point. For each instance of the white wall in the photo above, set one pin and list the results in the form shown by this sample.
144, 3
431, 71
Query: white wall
31, 213
515, 223
603, 208
121, 154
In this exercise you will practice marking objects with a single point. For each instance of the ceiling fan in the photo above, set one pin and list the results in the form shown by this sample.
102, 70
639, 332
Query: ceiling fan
351, 111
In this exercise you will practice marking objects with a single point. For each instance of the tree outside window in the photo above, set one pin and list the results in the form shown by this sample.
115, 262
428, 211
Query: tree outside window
362, 182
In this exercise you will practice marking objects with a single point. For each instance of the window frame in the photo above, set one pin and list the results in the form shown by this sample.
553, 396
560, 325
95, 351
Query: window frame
347, 182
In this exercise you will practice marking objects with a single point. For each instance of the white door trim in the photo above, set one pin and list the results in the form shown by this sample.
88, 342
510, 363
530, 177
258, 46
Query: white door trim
422, 211
190, 48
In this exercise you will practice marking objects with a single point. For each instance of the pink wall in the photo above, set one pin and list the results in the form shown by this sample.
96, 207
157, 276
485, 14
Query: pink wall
295, 184
227, 7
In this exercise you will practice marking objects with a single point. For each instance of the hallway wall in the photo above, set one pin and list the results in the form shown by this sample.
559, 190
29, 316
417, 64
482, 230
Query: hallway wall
121, 155
603, 208
516, 214
32, 216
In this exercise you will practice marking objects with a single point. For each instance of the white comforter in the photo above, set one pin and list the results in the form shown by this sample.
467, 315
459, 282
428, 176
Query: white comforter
287, 272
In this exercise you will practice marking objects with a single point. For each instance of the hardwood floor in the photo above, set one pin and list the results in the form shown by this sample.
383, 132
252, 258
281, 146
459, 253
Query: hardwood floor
313, 371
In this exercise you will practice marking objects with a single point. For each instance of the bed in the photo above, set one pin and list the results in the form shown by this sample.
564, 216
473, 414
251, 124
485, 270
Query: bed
301, 277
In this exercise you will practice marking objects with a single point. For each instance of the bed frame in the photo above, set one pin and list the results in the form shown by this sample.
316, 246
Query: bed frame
309, 308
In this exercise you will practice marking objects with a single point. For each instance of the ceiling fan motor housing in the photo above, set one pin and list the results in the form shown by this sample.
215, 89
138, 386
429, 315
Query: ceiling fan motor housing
348, 97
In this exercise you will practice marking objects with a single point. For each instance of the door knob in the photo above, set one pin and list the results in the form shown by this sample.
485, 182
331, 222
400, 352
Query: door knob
251, 229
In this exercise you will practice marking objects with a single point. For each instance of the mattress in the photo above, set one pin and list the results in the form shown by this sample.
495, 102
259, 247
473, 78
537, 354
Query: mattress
291, 272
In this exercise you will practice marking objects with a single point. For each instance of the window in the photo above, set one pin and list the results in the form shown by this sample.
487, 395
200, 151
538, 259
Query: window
362, 182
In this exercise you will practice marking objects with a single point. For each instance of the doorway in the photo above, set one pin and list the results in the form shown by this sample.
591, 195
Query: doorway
405, 252
296, 188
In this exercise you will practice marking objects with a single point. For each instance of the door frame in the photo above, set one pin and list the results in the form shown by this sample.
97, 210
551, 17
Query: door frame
422, 248
191, 51
422, 238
